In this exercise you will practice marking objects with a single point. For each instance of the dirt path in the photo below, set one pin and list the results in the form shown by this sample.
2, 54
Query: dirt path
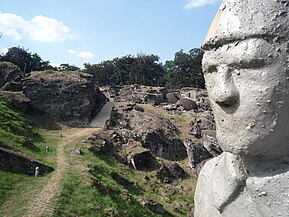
43, 203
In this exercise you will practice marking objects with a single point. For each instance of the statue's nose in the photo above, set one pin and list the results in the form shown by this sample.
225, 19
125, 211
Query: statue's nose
224, 91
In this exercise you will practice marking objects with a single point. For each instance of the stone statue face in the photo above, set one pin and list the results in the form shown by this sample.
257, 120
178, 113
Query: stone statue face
247, 82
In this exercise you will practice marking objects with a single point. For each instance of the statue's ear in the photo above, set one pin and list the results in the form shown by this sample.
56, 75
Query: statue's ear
229, 179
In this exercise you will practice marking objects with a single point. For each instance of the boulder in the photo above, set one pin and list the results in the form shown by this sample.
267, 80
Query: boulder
206, 120
143, 161
140, 94
176, 170
76, 151
196, 130
204, 104
165, 145
139, 108
69, 96
9, 72
169, 172
188, 104
210, 142
173, 97
196, 153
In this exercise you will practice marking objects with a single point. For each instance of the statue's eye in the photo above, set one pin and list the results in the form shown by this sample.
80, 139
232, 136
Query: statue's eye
249, 64
211, 68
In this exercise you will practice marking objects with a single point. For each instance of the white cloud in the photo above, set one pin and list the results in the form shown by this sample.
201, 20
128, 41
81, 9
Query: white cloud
81, 54
4, 50
40, 28
199, 3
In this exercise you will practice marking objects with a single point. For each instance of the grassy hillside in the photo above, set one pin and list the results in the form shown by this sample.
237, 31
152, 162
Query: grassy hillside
15, 132
90, 188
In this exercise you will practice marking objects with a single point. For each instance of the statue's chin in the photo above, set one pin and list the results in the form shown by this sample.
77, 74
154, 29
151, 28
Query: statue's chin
245, 145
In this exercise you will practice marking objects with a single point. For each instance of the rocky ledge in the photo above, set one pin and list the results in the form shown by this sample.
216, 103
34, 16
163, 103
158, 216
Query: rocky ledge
68, 96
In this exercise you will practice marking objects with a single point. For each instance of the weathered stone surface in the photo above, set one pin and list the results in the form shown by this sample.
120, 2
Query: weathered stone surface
139, 108
196, 130
164, 145
173, 97
170, 172
76, 151
12, 86
17, 162
206, 120
193, 93
70, 97
140, 94
196, 153
143, 161
9, 72
247, 45
211, 144
188, 104
17, 100
176, 170
156, 134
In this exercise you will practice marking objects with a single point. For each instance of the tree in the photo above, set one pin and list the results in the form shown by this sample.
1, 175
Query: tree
140, 69
185, 70
20, 57
67, 67
37, 64
26, 61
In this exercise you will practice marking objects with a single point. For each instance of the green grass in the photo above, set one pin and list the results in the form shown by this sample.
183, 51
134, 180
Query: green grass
15, 129
7, 182
95, 192
78, 199
16, 190
16, 133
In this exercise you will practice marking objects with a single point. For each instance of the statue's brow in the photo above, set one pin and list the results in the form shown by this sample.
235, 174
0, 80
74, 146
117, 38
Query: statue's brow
215, 44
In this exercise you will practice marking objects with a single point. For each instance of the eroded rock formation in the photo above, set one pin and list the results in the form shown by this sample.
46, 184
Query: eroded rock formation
69, 96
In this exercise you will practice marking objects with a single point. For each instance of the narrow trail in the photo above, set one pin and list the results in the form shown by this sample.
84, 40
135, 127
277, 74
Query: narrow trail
43, 203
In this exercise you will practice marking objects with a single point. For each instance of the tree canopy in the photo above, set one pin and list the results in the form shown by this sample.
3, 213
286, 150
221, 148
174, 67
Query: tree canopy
184, 70
26, 61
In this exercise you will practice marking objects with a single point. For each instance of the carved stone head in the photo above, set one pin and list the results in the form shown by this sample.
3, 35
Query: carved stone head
246, 66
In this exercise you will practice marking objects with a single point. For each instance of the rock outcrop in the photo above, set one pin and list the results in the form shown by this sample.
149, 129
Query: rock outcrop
17, 162
9, 72
154, 133
70, 97
197, 155
137, 94
17, 100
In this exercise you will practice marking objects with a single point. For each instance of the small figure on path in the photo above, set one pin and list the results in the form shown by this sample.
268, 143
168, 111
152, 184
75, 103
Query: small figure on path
46, 149
36, 171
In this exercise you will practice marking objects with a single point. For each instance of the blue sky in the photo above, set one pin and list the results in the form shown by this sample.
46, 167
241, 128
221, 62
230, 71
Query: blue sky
82, 31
